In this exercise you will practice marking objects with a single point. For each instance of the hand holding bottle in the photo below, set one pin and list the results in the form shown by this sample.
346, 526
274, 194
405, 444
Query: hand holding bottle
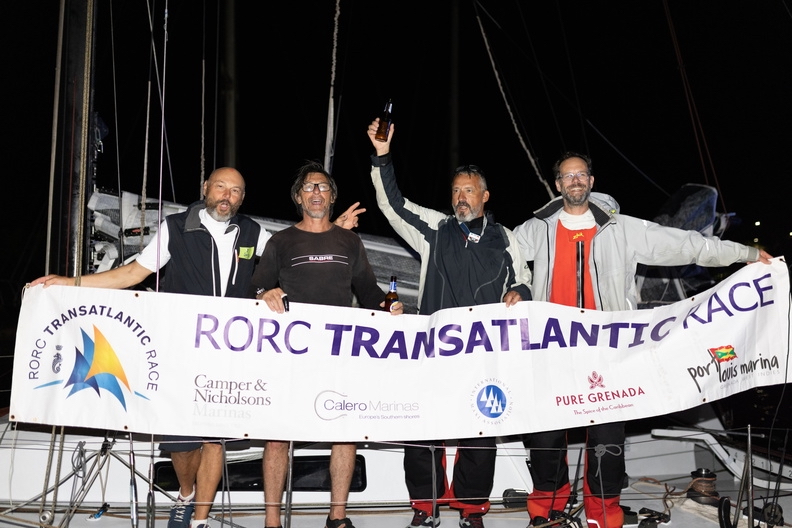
383, 128
381, 147
392, 296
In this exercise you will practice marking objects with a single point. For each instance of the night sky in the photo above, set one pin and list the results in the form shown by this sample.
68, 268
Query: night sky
604, 78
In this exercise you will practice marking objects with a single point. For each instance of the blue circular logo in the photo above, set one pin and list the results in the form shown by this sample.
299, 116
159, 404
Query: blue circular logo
491, 401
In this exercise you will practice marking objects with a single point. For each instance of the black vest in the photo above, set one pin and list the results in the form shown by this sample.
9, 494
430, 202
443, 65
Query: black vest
194, 267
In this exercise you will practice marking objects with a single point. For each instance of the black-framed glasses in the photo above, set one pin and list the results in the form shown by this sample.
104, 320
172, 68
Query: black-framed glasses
309, 186
569, 176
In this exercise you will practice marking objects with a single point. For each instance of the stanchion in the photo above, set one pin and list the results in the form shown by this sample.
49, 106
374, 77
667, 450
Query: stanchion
289, 476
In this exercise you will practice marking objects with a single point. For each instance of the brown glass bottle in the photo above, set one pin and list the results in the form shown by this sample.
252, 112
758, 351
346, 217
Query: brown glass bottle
384, 123
391, 296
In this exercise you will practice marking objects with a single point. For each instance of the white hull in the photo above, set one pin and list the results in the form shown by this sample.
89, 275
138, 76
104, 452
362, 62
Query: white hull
93, 471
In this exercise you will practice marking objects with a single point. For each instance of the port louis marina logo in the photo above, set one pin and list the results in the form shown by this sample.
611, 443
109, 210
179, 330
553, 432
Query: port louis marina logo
491, 401
90, 363
724, 366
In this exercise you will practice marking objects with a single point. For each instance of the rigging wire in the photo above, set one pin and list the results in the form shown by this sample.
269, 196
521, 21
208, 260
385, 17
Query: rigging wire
216, 108
542, 76
545, 82
572, 77
162, 129
202, 155
531, 158
698, 128
330, 138
216, 88
163, 144
786, 7
121, 235
774, 420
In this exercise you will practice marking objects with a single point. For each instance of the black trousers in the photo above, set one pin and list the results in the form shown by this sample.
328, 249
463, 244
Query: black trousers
474, 470
604, 468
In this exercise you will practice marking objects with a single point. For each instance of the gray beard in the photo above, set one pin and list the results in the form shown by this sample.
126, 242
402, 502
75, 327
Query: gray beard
315, 214
472, 215
464, 218
217, 216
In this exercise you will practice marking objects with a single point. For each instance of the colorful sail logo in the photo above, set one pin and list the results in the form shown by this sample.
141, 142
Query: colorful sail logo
97, 367
722, 354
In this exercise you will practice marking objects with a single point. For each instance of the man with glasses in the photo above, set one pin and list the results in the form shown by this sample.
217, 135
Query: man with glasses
585, 254
314, 261
466, 259
209, 249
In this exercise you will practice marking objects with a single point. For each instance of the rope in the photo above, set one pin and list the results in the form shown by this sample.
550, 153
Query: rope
78, 461
539, 177
330, 136
601, 450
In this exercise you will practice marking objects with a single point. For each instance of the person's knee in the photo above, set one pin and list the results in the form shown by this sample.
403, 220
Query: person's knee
277, 447
178, 456
210, 448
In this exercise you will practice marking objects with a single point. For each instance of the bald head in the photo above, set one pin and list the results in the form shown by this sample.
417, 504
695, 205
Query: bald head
224, 192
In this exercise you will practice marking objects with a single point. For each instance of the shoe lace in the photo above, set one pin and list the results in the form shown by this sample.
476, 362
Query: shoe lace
472, 522
421, 518
180, 509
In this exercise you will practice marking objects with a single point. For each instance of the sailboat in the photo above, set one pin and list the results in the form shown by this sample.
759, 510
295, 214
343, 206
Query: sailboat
60, 476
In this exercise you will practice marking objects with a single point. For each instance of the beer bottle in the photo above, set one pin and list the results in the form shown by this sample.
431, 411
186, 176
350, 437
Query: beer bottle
392, 296
385, 122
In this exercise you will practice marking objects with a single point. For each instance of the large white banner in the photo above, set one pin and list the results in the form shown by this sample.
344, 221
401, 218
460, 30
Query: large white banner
189, 365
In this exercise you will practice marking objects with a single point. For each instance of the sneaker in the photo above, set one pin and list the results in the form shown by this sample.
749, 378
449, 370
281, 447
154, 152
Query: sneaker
181, 513
473, 521
539, 521
421, 518
336, 523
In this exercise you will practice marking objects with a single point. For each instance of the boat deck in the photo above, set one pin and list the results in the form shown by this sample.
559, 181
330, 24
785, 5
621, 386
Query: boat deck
91, 470
648, 496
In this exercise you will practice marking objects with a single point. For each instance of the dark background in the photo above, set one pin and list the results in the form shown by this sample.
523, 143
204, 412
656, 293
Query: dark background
606, 78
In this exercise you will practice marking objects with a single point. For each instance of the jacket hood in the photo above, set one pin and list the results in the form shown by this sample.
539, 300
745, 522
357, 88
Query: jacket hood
605, 201
599, 203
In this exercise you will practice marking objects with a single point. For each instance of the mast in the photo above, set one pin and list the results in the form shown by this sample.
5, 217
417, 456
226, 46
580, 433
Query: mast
72, 169
229, 84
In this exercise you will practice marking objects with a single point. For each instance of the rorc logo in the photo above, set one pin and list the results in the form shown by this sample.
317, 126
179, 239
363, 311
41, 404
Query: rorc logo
96, 366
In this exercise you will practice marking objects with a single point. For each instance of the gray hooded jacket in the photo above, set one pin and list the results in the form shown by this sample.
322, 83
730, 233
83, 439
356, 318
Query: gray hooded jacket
620, 244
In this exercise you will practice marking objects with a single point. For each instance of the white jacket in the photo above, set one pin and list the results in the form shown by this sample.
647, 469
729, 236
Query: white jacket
620, 244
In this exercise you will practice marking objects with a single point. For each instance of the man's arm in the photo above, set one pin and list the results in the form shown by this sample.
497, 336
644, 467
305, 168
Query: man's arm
410, 221
117, 278
658, 245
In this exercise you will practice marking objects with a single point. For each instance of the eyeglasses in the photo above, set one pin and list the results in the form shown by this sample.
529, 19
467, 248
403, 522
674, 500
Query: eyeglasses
582, 175
309, 186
